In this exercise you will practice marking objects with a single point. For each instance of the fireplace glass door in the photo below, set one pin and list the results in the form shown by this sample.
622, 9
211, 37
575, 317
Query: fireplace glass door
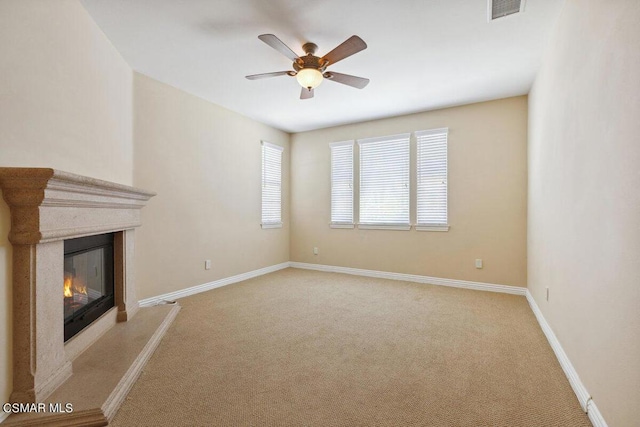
88, 281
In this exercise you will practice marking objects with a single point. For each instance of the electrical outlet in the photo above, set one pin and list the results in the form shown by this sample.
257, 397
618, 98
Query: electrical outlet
547, 288
207, 264
315, 250
478, 263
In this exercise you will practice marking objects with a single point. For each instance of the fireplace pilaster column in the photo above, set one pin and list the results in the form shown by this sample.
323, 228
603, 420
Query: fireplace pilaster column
126, 299
39, 361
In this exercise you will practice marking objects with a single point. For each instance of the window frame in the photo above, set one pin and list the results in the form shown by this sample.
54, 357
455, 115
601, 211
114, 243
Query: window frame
266, 146
334, 146
420, 176
405, 139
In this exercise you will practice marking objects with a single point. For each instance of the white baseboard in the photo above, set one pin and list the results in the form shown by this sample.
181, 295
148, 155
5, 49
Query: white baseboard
171, 296
578, 388
586, 402
478, 286
594, 415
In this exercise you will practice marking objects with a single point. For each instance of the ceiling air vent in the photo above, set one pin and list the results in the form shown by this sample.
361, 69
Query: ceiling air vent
501, 8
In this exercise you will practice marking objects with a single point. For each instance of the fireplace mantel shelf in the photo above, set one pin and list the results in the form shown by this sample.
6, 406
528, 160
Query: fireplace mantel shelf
89, 205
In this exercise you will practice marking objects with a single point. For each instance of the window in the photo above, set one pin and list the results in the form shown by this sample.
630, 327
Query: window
342, 184
271, 185
384, 182
432, 180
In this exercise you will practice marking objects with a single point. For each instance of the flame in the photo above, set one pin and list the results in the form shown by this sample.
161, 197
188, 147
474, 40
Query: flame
68, 293
71, 287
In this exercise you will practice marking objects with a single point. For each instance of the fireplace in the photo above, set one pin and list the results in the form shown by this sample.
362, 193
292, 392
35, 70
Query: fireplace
51, 211
88, 281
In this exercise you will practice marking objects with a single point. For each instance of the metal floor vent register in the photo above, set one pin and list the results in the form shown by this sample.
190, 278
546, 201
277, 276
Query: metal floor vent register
501, 8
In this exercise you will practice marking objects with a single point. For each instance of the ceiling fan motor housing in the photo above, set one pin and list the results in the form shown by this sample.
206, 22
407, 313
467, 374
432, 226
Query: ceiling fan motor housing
309, 61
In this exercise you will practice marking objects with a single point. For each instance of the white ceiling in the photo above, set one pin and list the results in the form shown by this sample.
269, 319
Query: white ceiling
421, 55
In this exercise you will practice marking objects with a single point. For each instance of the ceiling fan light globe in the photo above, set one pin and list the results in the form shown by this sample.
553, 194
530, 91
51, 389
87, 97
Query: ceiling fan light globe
309, 78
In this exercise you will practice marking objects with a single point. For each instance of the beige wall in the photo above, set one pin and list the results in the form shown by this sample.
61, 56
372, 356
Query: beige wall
487, 198
584, 202
66, 102
205, 164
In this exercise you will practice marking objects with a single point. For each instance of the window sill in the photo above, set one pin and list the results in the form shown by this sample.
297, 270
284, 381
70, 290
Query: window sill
401, 227
341, 225
271, 225
432, 227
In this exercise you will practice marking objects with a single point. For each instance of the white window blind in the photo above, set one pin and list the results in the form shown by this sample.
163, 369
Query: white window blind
342, 183
432, 178
384, 181
271, 185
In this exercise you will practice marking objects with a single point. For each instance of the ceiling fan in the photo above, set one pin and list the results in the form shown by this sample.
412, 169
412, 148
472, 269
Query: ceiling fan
309, 69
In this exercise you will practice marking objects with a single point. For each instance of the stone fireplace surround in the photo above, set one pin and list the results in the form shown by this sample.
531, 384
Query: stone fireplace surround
48, 206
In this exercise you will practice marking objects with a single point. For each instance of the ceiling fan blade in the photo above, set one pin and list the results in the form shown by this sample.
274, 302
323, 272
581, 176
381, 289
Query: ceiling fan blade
353, 44
306, 93
278, 45
346, 79
265, 75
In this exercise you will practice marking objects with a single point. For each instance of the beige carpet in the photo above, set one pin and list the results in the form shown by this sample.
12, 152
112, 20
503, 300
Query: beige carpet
304, 348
